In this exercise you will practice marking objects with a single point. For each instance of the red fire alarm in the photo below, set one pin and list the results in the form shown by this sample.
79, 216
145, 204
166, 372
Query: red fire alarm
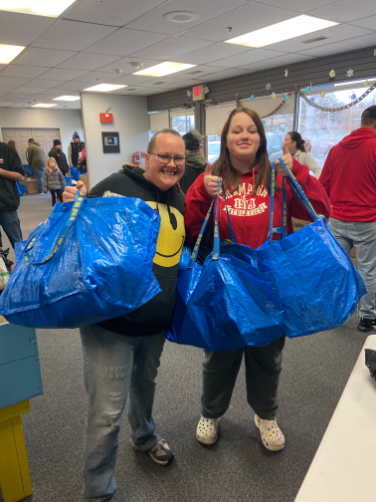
106, 118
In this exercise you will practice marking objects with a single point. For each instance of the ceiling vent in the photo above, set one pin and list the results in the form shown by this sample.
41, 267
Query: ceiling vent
195, 72
313, 40
181, 17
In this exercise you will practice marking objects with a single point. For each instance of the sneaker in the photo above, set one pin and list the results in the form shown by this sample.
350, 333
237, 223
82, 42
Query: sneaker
207, 430
271, 435
366, 324
161, 453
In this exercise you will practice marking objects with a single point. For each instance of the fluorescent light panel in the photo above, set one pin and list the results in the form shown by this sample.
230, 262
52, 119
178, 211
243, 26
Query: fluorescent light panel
46, 8
43, 105
104, 88
292, 28
67, 98
163, 69
9, 52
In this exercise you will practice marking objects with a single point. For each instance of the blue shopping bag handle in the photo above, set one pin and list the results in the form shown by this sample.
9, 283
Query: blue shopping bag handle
298, 192
77, 204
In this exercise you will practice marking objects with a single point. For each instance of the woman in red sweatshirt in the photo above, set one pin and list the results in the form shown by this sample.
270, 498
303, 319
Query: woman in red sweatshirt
245, 169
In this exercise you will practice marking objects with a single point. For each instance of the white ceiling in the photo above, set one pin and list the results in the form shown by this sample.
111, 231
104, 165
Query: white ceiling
93, 38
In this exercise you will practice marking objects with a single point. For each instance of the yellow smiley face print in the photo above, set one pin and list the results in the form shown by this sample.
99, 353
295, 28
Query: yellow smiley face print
171, 236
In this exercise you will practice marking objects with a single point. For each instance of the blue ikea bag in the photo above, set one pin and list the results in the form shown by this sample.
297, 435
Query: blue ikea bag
90, 261
21, 188
319, 286
68, 181
224, 304
75, 173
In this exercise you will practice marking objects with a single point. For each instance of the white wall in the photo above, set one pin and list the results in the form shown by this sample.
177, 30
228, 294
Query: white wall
67, 121
131, 121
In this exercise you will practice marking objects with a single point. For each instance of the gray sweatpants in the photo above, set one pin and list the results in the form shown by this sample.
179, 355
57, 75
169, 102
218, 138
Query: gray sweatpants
362, 235
263, 366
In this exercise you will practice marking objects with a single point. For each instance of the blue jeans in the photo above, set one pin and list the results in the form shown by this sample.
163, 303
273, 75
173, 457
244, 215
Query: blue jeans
115, 366
38, 173
362, 235
11, 226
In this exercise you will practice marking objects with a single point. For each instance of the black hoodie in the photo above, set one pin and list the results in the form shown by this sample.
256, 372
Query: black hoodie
10, 161
154, 316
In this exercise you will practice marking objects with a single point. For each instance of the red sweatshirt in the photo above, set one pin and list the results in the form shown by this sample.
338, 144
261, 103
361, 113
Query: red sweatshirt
349, 177
249, 213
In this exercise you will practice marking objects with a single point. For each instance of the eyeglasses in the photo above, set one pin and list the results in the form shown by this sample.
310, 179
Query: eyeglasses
165, 159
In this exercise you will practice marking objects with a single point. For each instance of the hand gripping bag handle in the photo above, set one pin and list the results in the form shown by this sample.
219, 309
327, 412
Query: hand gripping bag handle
77, 204
299, 193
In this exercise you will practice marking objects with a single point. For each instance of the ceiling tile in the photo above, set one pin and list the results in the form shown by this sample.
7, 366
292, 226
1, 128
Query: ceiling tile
46, 58
72, 86
125, 65
276, 62
86, 61
44, 83
252, 56
97, 77
60, 74
198, 72
243, 20
132, 80
345, 45
71, 35
171, 48
28, 90
111, 12
12, 81
22, 29
346, 10
5, 89
211, 53
5, 104
334, 34
124, 42
297, 5
15, 96
23, 71
154, 21
366, 22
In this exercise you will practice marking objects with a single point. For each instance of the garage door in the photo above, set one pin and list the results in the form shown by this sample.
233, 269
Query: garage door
45, 137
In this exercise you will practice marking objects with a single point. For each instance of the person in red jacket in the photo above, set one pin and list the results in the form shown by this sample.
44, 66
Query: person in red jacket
349, 178
245, 169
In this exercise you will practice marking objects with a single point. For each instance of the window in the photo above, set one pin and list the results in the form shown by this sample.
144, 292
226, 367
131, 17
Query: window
325, 129
182, 123
214, 147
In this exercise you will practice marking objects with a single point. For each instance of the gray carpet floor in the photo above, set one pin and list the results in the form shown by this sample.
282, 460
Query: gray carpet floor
236, 469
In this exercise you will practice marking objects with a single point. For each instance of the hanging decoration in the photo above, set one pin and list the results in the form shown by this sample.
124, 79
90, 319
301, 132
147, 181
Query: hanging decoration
366, 83
285, 100
268, 86
273, 95
252, 98
353, 96
332, 75
308, 89
286, 73
322, 94
350, 73
339, 108
311, 100
285, 96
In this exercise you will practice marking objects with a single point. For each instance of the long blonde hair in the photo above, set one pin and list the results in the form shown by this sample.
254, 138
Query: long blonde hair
223, 165
51, 159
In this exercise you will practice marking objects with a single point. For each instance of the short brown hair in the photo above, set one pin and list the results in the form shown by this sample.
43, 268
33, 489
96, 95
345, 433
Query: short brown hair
369, 116
223, 164
153, 140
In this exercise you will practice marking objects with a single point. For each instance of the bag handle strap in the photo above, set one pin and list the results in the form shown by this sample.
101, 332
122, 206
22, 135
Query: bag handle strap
298, 192
232, 235
77, 204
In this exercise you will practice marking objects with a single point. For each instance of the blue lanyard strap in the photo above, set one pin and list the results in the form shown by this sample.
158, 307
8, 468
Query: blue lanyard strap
77, 204
232, 235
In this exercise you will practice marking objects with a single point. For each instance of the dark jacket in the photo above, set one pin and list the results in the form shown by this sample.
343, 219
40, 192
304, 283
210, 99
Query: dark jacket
154, 316
194, 166
61, 160
10, 161
36, 156
53, 180
73, 151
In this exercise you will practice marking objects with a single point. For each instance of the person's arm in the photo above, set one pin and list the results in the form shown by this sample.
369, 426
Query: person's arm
15, 170
11, 175
70, 155
310, 162
312, 189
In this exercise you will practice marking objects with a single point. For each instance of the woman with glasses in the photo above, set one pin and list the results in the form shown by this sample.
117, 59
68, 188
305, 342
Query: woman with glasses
245, 169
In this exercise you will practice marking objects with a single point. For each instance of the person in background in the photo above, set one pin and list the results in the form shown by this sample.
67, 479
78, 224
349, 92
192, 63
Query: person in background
122, 355
81, 165
74, 149
37, 159
296, 145
349, 178
245, 169
53, 180
13, 145
11, 171
57, 153
195, 163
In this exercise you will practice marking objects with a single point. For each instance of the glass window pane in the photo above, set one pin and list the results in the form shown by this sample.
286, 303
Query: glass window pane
183, 123
214, 147
325, 129
276, 128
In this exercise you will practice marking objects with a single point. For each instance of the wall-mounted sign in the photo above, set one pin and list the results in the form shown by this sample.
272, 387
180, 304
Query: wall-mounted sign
106, 118
198, 93
110, 141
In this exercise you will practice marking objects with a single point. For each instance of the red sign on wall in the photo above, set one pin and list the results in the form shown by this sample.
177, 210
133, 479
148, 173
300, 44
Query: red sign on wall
106, 118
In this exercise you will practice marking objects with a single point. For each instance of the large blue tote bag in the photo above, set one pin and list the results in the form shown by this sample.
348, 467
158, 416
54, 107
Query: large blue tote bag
224, 304
319, 286
90, 261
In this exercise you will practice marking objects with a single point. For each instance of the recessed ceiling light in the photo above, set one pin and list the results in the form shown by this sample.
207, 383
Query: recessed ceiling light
43, 105
181, 16
162, 69
9, 52
105, 88
67, 98
36, 7
292, 28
